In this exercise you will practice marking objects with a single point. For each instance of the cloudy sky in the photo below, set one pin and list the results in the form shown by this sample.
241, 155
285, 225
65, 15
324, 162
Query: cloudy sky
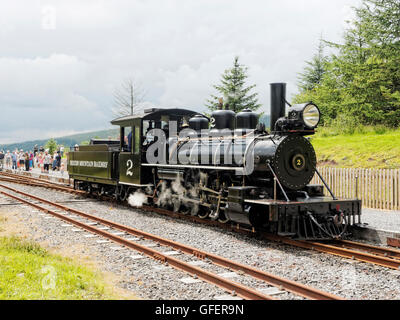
61, 61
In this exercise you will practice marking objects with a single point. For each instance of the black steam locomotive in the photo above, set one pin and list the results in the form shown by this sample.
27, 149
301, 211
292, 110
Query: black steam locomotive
226, 167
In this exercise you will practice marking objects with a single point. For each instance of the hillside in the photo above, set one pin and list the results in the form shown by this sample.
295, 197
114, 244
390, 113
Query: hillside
67, 141
371, 149
71, 140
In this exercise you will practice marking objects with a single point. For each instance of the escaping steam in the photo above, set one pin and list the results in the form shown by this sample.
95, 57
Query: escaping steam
177, 195
165, 197
137, 199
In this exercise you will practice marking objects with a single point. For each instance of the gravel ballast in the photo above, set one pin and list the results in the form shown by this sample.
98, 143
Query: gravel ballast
151, 280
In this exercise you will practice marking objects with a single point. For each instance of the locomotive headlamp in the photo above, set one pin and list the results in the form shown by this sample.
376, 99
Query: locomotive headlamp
307, 113
311, 116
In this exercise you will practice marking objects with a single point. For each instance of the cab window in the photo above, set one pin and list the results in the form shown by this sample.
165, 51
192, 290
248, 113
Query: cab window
127, 140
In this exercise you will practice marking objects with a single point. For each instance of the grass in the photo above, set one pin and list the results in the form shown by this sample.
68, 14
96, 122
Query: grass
358, 147
27, 271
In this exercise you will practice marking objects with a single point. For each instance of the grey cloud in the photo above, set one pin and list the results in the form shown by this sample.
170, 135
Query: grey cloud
61, 79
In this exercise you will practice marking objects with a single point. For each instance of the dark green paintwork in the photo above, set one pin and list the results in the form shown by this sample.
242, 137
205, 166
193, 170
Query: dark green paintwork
129, 169
106, 175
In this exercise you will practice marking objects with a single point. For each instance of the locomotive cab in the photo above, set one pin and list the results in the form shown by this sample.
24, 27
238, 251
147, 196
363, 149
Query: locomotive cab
137, 136
129, 172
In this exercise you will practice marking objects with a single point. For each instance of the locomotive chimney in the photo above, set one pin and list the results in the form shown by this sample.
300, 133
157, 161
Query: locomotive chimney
278, 98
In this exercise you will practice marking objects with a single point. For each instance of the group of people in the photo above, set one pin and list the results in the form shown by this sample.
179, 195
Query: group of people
24, 160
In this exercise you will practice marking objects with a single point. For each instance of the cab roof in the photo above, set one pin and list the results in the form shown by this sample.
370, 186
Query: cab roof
155, 114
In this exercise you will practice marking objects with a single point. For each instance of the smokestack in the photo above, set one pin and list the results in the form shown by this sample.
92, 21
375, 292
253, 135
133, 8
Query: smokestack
278, 97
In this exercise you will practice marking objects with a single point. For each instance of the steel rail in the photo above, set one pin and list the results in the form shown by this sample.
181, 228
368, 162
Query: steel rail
338, 251
27, 182
288, 285
386, 252
43, 185
10, 178
27, 177
231, 286
26, 174
36, 181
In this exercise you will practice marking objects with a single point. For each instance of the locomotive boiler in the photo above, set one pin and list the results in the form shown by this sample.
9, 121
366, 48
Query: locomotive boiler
225, 167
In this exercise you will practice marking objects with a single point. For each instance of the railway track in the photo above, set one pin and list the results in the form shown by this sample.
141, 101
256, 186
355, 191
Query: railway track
385, 257
28, 176
36, 182
74, 217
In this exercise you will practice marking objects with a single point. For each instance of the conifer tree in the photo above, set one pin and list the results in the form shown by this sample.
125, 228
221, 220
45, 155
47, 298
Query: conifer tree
362, 77
314, 71
233, 90
51, 145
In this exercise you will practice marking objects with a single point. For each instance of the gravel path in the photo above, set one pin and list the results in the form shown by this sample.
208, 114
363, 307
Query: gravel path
381, 219
150, 280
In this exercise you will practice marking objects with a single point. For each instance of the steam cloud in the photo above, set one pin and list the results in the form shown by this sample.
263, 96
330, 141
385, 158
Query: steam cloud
137, 199
176, 195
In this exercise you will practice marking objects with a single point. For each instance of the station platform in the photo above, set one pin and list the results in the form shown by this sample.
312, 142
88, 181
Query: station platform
380, 226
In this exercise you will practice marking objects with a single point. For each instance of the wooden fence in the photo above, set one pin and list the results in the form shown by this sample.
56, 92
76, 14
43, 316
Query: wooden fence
377, 188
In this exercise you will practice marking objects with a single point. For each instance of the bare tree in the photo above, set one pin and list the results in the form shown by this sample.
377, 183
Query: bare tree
128, 98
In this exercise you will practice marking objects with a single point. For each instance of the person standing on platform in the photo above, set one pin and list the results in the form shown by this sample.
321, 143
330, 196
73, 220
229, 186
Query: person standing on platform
2, 159
14, 160
57, 158
35, 154
8, 159
31, 157
26, 158
21, 157
47, 161
41, 162
54, 164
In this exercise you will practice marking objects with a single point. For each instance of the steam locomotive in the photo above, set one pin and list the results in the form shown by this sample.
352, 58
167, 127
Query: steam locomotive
227, 167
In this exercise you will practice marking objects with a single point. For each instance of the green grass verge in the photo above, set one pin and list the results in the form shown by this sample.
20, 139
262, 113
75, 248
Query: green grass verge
27, 271
363, 147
